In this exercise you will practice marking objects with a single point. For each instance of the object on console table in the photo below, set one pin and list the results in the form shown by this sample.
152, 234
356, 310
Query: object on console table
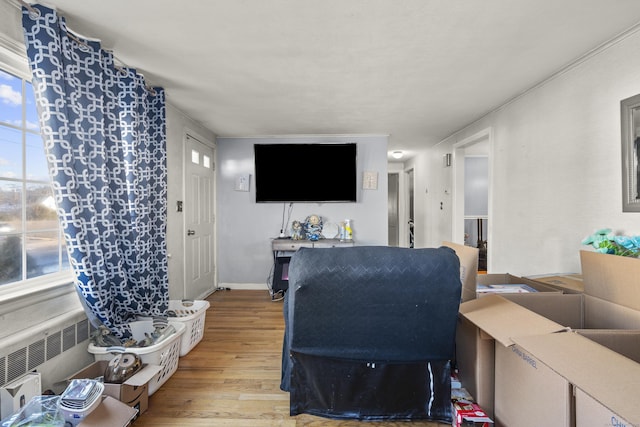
313, 227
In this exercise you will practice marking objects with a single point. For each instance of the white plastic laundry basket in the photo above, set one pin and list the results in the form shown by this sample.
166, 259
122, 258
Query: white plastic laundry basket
192, 314
165, 354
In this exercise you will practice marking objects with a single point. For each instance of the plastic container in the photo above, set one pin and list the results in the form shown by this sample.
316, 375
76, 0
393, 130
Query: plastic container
39, 411
164, 354
192, 313
81, 397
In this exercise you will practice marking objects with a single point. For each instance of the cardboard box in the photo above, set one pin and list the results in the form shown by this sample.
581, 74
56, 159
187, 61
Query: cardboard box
110, 413
602, 310
510, 279
612, 278
567, 283
484, 321
607, 380
475, 350
468, 257
541, 396
590, 412
134, 392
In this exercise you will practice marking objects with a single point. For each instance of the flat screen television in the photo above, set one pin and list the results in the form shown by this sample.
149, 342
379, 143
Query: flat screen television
305, 173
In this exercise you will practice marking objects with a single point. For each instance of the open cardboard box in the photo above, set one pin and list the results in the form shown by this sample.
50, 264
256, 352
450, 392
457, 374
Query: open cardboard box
470, 278
485, 324
510, 279
601, 408
474, 353
570, 380
133, 392
569, 283
493, 342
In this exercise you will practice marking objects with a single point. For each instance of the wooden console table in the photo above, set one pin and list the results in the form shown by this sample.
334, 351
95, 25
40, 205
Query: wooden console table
290, 245
283, 249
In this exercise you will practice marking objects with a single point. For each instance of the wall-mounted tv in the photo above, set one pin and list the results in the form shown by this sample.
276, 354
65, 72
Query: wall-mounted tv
305, 173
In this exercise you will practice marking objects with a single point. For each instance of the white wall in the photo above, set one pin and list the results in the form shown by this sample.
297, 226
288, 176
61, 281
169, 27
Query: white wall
555, 166
245, 228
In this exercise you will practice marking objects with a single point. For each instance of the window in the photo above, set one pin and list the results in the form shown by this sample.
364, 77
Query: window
31, 243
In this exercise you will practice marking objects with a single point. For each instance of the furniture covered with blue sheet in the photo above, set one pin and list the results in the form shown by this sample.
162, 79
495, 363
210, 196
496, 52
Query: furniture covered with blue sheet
370, 332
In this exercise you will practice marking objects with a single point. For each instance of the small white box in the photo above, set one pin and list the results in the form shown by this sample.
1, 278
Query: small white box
15, 395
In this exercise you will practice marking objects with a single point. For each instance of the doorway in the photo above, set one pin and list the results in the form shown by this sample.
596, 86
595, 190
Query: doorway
199, 244
400, 206
393, 207
472, 179
410, 208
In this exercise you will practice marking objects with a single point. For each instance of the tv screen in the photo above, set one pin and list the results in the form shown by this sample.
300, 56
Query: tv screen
305, 172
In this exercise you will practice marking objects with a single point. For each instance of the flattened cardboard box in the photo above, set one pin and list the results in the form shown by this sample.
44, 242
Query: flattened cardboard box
110, 413
133, 392
510, 279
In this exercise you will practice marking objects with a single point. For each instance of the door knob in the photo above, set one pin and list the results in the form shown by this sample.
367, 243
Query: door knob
190, 232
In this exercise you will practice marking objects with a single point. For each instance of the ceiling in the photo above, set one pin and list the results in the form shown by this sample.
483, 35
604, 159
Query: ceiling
417, 70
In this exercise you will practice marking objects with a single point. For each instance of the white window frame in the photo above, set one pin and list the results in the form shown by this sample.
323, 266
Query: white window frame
14, 296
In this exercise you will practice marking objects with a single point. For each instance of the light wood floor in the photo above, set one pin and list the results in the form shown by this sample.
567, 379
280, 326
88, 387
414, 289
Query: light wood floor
232, 377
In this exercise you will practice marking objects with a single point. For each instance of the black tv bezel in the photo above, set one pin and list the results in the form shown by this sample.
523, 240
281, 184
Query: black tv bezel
317, 172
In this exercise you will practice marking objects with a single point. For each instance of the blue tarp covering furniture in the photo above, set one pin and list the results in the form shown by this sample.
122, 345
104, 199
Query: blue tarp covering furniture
370, 332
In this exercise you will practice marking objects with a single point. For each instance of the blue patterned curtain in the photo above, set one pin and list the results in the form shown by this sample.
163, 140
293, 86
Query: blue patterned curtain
105, 141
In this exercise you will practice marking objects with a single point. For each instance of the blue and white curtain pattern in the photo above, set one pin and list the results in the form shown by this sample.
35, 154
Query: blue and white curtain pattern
105, 139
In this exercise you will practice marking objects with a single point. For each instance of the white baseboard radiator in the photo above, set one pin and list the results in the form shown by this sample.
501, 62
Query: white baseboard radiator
34, 348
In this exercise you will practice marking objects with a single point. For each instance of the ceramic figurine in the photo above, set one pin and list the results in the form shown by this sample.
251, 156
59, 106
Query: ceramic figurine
313, 227
296, 230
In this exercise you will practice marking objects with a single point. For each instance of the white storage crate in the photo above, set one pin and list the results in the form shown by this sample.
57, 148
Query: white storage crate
165, 354
192, 313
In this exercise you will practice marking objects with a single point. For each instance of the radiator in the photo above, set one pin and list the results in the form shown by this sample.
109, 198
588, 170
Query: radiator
43, 347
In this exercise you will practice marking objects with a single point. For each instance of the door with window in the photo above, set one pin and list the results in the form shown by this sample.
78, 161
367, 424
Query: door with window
199, 219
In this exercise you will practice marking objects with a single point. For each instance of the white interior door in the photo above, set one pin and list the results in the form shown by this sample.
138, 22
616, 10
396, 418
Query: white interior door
199, 216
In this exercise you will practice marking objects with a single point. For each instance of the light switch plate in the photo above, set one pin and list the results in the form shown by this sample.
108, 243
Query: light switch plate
242, 182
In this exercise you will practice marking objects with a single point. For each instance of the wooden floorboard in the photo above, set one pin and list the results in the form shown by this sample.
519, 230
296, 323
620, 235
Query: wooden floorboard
232, 377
